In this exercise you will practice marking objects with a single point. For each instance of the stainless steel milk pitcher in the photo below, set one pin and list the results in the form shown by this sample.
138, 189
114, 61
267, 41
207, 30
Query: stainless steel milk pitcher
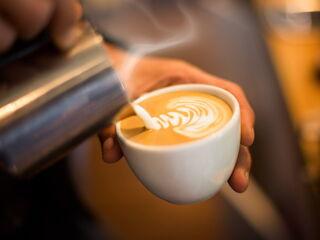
51, 101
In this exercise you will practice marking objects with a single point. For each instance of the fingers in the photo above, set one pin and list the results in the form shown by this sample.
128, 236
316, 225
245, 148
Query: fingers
111, 151
247, 113
25, 19
247, 126
247, 117
109, 131
63, 26
239, 179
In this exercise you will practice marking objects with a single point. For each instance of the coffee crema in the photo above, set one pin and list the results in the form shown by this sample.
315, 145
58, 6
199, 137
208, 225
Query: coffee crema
181, 116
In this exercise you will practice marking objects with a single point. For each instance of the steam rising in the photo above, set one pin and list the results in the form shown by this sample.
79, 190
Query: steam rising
170, 36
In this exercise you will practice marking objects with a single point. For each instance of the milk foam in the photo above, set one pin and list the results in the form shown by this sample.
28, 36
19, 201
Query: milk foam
149, 123
191, 116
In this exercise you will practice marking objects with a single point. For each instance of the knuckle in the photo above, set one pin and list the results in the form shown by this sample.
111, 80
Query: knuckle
246, 156
69, 14
179, 64
174, 67
253, 115
236, 88
249, 110
174, 78
65, 17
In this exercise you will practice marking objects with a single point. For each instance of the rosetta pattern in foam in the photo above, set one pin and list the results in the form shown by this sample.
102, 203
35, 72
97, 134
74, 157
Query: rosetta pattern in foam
193, 116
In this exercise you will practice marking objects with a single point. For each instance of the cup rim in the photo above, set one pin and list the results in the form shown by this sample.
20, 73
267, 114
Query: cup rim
187, 145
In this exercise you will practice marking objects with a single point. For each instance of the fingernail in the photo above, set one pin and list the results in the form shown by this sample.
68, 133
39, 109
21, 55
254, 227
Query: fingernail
67, 39
250, 137
246, 174
252, 133
109, 143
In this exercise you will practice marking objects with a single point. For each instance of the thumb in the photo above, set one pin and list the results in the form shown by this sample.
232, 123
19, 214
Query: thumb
111, 151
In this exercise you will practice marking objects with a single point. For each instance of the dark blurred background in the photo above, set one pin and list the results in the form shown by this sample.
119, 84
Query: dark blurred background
272, 49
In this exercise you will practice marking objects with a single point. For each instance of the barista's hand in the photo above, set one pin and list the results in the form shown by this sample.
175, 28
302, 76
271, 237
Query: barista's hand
152, 73
24, 19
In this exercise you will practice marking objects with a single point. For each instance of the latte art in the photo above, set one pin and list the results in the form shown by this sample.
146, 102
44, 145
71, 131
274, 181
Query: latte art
190, 116
176, 117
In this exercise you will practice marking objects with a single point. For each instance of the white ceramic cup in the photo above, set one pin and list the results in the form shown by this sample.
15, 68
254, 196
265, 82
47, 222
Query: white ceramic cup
192, 171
